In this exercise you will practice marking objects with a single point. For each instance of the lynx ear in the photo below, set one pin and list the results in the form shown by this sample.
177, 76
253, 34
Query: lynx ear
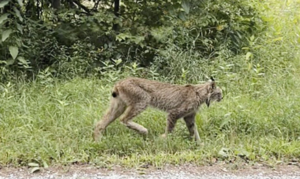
211, 87
213, 83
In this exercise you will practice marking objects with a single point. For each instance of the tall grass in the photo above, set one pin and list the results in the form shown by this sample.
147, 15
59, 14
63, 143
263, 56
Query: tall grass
51, 122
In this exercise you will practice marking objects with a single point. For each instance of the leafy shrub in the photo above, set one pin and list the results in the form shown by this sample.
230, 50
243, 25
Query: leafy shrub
207, 26
72, 43
193, 34
11, 30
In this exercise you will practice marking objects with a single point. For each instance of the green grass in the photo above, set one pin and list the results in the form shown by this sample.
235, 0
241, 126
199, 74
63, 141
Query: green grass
51, 121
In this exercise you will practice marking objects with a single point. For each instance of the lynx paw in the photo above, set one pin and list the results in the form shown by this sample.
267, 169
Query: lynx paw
144, 131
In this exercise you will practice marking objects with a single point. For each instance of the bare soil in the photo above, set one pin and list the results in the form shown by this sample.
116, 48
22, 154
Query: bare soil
190, 171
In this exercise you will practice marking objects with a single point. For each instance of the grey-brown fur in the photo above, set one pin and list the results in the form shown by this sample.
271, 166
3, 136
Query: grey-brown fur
131, 96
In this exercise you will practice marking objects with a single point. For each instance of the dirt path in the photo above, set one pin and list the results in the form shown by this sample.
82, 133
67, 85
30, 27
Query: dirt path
222, 171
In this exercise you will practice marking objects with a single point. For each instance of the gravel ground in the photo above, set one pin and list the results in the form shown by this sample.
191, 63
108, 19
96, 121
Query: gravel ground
167, 172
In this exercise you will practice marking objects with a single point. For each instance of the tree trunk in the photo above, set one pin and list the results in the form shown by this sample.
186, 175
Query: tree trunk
117, 13
117, 8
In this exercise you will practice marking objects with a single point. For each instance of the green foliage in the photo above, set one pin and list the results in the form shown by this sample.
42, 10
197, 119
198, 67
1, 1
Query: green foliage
46, 122
212, 25
204, 27
72, 43
50, 120
11, 30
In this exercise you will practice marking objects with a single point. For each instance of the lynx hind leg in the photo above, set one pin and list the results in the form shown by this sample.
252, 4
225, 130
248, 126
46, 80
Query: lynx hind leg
192, 127
116, 109
130, 113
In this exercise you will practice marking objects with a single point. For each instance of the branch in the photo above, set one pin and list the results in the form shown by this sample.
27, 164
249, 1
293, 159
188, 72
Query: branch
96, 5
87, 10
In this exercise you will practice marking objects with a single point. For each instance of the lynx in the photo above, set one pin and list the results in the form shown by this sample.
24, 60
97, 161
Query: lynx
131, 96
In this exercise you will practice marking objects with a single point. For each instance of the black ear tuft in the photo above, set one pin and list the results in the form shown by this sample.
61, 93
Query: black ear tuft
212, 79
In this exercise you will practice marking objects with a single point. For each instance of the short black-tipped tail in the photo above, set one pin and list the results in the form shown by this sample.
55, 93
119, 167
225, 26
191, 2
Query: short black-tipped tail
114, 94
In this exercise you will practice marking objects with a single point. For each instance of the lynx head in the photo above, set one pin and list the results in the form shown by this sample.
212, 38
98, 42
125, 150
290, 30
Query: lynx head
215, 93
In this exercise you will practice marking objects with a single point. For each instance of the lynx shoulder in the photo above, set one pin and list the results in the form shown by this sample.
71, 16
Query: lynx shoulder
131, 96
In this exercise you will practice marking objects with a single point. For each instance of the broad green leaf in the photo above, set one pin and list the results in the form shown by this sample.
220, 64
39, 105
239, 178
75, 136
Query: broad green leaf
267, 19
20, 2
122, 36
248, 55
45, 164
186, 6
220, 27
18, 14
20, 28
118, 61
3, 17
182, 16
242, 152
10, 61
138, 39
35, 169
33, 164
134, 65
277, 39
5, 34
22, 60
4, 3
224, 152
161, 33
225, 122
14, 51
250, 66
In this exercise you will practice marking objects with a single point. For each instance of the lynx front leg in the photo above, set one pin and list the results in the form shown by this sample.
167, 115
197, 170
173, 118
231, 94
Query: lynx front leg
191, 125
130, 113
171, 122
